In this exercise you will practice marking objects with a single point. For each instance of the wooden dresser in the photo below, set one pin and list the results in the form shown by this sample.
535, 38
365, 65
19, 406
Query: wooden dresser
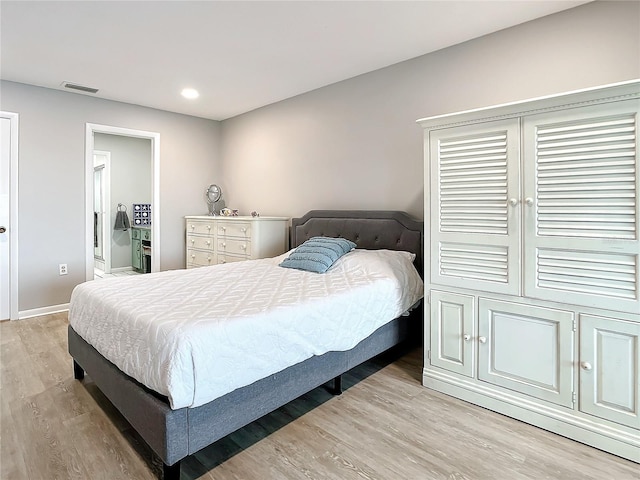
216, 240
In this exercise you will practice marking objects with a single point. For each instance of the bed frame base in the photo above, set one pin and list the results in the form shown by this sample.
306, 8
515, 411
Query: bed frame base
337, 385
171, 472
175, 434
78, 372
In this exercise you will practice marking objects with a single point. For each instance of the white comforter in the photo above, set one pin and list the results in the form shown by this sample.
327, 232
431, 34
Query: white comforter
195, 335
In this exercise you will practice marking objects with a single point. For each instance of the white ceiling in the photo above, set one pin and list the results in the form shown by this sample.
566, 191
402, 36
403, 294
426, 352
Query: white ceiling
240, 55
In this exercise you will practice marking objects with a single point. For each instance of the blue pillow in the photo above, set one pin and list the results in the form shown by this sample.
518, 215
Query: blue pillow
318, 254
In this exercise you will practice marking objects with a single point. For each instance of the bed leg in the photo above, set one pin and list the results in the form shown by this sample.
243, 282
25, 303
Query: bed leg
337, 385
171, 472
78, 372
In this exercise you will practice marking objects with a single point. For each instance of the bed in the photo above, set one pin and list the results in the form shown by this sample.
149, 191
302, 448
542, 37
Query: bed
174, 433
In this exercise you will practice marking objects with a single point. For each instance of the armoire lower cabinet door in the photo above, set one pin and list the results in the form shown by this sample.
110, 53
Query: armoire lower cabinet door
452, 320
609, 369
527, 349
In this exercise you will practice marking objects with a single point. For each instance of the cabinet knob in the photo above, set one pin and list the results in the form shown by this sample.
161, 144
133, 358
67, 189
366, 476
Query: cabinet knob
243, 247
586, 366
224, 245
208, 242
467, 337
208, 227
193, 240
513, 202
193, 227
528, 201
193, 256
243, 230
482, 339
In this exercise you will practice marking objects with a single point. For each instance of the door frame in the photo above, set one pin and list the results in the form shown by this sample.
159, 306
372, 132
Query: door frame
91, 129
13, 215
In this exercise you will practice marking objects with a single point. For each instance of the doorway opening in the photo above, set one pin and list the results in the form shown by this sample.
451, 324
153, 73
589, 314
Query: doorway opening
101, 238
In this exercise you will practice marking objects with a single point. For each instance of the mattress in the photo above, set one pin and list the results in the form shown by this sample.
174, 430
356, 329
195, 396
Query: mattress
196, 335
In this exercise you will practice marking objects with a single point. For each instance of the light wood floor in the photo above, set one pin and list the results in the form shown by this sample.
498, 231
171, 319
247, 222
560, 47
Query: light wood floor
385, 426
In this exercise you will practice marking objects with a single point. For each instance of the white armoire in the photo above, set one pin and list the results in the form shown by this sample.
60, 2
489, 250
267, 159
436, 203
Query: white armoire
533, 264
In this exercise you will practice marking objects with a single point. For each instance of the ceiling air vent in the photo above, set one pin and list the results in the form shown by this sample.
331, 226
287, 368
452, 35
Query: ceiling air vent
81, 88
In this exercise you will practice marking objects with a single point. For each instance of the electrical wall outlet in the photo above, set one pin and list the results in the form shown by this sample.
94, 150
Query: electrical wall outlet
62, 268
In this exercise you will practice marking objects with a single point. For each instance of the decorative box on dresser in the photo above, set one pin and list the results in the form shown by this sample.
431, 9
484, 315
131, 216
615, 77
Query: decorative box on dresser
215, 240
534, 262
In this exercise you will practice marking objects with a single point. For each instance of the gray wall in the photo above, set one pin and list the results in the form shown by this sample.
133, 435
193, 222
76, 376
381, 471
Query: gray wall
51, 204
355, 144
131, 182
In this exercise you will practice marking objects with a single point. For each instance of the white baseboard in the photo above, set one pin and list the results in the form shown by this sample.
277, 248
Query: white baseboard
36, 312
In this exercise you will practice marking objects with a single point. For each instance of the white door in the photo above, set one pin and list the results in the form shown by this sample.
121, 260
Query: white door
5, 162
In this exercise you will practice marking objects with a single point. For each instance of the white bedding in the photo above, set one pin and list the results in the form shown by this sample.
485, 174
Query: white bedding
195, 335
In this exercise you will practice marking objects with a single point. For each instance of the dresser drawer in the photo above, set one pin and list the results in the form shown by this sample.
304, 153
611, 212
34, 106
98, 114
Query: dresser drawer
201, 242
226, 258
199, 258
234, 229
202, 228
234, 246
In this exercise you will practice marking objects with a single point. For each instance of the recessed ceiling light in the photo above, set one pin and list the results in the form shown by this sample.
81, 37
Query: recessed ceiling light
190, 93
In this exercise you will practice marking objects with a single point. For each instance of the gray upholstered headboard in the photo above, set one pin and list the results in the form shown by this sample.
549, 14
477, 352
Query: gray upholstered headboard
370, 229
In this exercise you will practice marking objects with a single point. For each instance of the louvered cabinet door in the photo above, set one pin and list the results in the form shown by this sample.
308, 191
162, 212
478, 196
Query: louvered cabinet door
475, 208
581, 206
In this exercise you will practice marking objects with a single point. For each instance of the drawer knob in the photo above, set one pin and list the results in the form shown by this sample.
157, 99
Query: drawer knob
208, 242
243, 247
482, 339
193, 240
586, 366
467, 337
208, 227
193, 256
528, 201
513, 202
224, 244
243, 229
193, 227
